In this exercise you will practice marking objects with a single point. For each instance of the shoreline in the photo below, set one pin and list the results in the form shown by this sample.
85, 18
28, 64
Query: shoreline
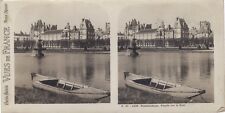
192, 50
36, 96
128, 95
90, 51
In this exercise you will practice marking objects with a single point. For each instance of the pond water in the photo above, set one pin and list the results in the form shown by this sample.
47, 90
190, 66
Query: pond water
88, 69
187, 68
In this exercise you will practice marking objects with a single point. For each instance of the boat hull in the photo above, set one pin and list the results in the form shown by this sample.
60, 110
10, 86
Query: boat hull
85, 92
178, 91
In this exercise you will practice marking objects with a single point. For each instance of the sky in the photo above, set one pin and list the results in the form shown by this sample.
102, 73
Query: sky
60, 13
148, 12
153, 14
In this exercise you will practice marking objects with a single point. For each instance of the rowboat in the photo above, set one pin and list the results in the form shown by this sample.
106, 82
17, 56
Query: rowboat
157, 86
67, 88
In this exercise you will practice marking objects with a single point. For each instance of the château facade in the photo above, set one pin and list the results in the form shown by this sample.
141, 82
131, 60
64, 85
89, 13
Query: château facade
166, 36
68, 37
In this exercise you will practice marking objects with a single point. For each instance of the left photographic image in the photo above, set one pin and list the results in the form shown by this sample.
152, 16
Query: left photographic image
62, 53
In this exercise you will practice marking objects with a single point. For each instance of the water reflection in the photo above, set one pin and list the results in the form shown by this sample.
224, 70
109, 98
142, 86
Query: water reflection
107, 73
205, 70
89, 66
184, 69
39, 62
134, 64
162, 67
68, 66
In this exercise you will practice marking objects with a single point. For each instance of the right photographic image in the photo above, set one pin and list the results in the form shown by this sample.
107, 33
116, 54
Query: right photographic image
166, 53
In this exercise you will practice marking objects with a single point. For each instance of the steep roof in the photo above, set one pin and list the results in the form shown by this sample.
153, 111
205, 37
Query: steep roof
133, 22
88, 24
182, 23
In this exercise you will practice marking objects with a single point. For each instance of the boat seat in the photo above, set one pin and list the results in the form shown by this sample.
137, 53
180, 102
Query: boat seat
74, 88
59, 85
64, 85
150, 81
67, 87
166, 87
160, 86
153, 84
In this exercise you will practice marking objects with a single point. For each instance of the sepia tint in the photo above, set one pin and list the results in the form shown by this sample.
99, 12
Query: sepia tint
171, 47
109, 56
62, 51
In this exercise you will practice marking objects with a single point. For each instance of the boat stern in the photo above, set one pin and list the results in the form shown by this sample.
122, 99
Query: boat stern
126, 74
132, 76
38, 77
33, 75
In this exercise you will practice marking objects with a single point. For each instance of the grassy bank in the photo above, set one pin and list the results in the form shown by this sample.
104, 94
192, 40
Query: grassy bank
133, 96
36, 96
